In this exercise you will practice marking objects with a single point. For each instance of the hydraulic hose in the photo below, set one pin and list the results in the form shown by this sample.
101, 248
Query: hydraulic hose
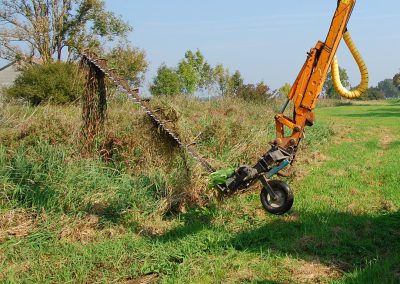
362, 88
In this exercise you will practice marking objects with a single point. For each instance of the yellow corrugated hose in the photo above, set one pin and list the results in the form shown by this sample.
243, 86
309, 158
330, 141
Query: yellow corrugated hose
362, 88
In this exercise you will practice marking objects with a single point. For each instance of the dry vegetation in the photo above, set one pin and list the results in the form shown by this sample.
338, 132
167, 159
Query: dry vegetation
137, 209
226, 132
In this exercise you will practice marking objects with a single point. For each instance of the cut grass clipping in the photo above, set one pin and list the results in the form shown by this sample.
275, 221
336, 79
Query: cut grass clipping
220, 177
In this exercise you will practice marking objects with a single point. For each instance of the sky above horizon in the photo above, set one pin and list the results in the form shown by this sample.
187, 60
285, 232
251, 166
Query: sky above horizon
264, 40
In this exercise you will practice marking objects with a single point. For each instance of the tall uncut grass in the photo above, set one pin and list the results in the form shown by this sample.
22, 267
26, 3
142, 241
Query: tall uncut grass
134, 170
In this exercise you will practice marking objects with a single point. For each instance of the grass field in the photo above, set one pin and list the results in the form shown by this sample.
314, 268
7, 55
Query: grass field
65, 218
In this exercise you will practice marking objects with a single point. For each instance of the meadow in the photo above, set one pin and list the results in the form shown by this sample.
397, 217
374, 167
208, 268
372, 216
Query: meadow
135, 209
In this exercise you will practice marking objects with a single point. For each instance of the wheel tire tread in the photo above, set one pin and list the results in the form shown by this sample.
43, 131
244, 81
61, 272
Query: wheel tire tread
278, 185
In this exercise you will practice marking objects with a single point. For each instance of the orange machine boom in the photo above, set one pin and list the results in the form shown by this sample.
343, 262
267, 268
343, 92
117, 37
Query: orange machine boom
276, 196
309, 83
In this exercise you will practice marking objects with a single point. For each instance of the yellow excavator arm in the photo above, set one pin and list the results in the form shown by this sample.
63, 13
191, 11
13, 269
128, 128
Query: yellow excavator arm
362, 88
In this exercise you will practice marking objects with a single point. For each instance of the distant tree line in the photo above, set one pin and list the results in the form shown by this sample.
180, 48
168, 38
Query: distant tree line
385, 89
396, 81
194, 74
56, 32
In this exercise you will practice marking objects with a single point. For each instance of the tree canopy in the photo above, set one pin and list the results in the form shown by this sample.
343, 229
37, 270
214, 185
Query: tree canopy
196, 75
373, 93
129, 61
251, 92
195, 72
388, 89
45, 28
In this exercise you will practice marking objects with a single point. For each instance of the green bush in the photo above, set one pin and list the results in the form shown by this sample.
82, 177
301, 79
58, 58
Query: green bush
251, 92
58, 83
167, 82
373, 93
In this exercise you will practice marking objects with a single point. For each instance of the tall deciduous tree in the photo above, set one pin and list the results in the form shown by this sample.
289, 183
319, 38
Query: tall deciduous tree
227, 84
222, 77
236, 82
45, 28
129, 61
195, 72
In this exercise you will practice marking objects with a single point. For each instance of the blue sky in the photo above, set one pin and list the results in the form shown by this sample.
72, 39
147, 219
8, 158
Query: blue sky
265, 40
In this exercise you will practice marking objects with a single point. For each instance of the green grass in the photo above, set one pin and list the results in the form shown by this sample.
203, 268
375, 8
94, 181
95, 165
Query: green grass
68, 219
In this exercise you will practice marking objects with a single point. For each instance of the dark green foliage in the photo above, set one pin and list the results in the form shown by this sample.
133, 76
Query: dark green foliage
236, 82
167, 82
388, 89
58, 83
29, 171
40, 177
396, 80
250, 92
373, 93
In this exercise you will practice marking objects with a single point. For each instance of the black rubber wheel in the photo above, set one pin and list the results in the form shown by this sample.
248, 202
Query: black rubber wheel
284, 201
